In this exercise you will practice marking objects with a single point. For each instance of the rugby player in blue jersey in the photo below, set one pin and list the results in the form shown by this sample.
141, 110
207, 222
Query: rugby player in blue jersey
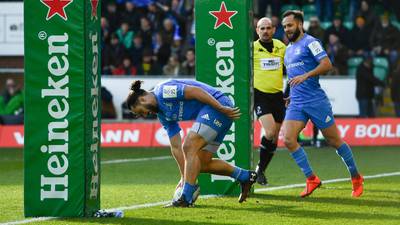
213, 112
305, 59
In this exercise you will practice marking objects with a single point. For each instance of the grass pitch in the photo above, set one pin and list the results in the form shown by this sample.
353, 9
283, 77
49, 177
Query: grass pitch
137, 184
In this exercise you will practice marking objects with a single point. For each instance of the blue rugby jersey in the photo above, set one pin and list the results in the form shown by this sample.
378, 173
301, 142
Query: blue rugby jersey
301, 57
173, 107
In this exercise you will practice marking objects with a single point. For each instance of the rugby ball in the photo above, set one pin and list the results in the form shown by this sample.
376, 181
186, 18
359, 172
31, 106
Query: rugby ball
179, 189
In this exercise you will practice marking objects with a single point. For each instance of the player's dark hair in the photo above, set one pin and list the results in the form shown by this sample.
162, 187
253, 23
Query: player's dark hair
297, 14
135, 93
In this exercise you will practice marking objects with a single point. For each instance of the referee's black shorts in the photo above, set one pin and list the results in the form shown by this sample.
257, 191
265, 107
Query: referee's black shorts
266, 103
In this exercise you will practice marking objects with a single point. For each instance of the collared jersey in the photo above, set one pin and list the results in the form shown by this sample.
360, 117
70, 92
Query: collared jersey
268, 67
172, 105
300, 58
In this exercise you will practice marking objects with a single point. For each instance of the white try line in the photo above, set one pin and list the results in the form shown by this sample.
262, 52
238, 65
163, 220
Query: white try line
147, 205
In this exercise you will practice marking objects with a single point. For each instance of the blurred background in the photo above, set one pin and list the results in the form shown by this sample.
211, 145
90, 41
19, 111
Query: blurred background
154, 40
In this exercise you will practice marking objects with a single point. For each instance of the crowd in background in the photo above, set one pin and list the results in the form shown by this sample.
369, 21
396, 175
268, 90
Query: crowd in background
148, 37
369, 33
11, 103
156, 37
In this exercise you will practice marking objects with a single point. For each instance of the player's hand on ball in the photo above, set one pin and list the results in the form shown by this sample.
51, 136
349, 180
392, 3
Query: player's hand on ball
297, 80
233, 113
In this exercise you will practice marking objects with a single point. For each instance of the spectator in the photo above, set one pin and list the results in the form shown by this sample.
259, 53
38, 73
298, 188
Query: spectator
279, 33
167, 32
112, 55
353, 7
191, 35
176, 47
162, 50
315, 28
339, 30
275, 7
172, 67
124, 35
112, 16
360, 38
395, 88
146, 32
131, 15
324, 9
384, 40
142, 3
136, 51
156, 14
105, 32
149, 66
338, 54
365, 84
177, 6
126, 68
11, 104
368, 14
181, 11
395, 6
188, 66
107, 109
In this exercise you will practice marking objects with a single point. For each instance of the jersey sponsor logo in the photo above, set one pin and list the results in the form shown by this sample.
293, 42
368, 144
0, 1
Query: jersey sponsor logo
315, 48
205, 116
270, 63
170, 91
180, 113
168, 105
328, 118
291, 65
217, 123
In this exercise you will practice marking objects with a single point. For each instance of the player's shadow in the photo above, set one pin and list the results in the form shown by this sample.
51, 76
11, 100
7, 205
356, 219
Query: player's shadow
136, 221
329, 200
367, 190
265, 206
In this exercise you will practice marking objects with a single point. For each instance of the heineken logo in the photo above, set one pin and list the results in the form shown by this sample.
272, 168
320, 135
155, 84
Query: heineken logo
56, 7
95, 107
94, 4
54, 182
225, 80
223, 16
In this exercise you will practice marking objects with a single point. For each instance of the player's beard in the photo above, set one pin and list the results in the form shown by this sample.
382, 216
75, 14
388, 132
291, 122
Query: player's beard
295, 35
151, 108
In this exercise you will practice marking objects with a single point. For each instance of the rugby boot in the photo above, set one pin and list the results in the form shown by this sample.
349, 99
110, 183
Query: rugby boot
312, 183
246, 186
261, 179
358, 183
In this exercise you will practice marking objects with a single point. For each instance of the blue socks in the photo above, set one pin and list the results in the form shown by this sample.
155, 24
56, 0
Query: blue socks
344, 151
240, 174
188, 191
300, 157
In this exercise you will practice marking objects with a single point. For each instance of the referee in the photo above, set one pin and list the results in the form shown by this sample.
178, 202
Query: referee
269, 104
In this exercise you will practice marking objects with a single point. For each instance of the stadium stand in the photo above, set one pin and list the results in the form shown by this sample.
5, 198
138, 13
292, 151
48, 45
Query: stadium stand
381, 68
162, 32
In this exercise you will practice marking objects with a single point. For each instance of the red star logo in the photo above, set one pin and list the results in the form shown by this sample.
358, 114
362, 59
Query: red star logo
56, 7
223, 16
94, 4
